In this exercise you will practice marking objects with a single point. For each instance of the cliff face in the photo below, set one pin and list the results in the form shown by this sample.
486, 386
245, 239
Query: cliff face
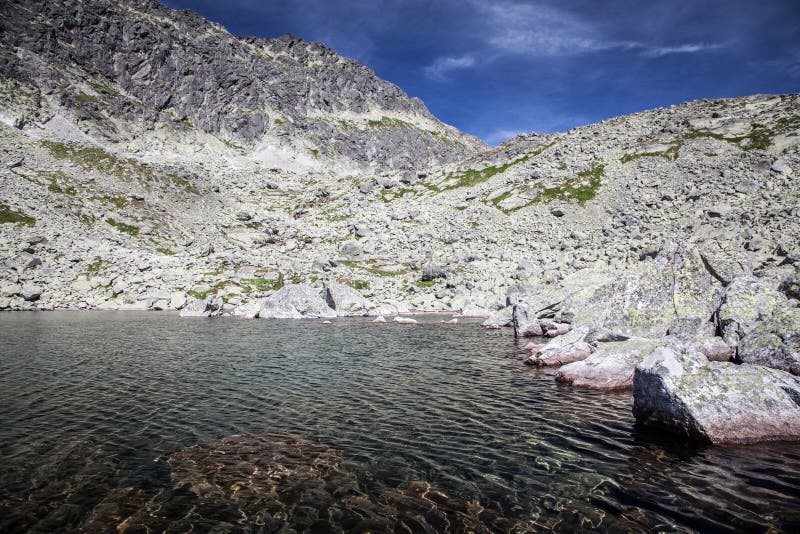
123, 69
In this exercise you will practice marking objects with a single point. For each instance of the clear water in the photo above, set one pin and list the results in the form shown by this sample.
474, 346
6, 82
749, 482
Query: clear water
94, 401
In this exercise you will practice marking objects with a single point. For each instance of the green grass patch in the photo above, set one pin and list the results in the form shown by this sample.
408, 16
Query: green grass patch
96, 266
116, 200
101, 88
759, 138
54, 187
358, 285
91, 158
578, 190
370, 268
669, 154
314, 152
165, 251
86, 98
425, 283
264, 284
253, 225
387, 195
498, 199
388, 122
199, 295
11, 216
124, 228
472, 177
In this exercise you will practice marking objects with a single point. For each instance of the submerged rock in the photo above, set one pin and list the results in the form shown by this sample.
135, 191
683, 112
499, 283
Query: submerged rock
279, 483
677, 389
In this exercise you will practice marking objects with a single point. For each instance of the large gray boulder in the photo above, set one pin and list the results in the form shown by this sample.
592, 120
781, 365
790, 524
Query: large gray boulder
677, 389
295, 301
208, 307
610, 367
774, 341
645, 300
758, 321
525, 322
346, 300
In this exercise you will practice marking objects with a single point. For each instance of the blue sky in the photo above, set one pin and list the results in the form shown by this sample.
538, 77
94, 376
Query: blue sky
498, 68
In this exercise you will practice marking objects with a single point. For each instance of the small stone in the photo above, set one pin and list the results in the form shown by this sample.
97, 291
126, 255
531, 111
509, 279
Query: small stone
31, 293
13, 164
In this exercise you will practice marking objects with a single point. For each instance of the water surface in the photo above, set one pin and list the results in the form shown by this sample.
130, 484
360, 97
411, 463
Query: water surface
95, 401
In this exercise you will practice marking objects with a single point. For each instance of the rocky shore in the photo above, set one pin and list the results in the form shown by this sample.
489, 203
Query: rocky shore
657, 252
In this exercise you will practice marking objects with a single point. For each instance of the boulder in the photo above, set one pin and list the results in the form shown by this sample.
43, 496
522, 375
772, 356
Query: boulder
247, 310
746, 300
758, 321
610, 367
714, 348
432, 271
642, 301
351, 249
23, 261
177, 300
30, 293
774, 341
346, 300
499, 319
525, 323
677, 389
208, 307
295, 301
560, 355
404, 320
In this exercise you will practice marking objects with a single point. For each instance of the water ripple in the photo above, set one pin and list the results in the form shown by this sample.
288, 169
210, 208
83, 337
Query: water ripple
110, 396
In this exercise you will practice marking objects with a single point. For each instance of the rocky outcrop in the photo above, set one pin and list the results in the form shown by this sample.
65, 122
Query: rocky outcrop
346, 300
677, 389
610, 367
296, 301
759, 322
208, 307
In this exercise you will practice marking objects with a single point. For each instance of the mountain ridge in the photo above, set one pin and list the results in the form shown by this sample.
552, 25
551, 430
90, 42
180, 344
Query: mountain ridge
141, 62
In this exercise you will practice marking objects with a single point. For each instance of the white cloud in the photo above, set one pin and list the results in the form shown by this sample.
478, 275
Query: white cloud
536, 29
498, 137
439, 69
659, 51
546, 31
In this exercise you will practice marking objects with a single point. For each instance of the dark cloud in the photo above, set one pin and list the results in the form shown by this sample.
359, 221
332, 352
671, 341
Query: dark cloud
497, 67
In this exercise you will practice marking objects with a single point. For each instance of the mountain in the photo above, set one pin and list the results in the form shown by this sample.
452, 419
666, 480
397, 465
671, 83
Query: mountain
140, 76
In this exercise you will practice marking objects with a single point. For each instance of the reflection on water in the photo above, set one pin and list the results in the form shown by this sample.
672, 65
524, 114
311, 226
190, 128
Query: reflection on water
96, 408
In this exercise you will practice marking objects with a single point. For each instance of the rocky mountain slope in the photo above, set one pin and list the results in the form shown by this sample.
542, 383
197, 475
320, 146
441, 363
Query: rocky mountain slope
153, 161
148, 79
